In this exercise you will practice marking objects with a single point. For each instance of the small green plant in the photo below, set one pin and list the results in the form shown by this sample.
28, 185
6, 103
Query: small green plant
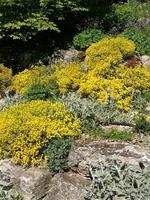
142, 125
57, 152
87, 37
43, 92
115, 134
113, 179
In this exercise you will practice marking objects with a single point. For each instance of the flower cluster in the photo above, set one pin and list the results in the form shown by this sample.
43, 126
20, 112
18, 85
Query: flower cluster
5, 77
68, 77
25, 79
27, 128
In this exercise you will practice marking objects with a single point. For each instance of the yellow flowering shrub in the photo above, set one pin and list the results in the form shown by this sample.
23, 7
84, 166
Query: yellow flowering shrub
108, 79
111, 50
68, 77
26, 129
119, 85
25, 79
5, 77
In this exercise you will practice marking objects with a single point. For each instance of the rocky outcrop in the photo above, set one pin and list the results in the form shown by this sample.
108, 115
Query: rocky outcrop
35, 183
83, 155
31, 183
66, 56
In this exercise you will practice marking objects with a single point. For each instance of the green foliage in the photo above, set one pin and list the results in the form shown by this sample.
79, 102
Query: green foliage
142, 125
21, 20
114, 179
115, 134
40, 91
87, 37
140, 37
57, 153
9, 194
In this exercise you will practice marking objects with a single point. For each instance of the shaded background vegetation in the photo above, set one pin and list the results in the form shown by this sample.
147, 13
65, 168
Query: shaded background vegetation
31, 30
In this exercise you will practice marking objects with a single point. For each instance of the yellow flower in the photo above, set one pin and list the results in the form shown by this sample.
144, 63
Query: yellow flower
68, 77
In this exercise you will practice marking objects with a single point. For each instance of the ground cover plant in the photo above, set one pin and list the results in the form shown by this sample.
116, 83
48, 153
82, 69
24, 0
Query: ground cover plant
116, 179
114, 134
27, 128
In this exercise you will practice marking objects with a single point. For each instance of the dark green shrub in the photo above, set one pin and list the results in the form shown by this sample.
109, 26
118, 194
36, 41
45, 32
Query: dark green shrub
142, 125
43, 92
57, 152
140, 37
114, 179
87, 37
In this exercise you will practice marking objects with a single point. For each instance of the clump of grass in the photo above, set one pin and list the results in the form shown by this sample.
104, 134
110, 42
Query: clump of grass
115, 134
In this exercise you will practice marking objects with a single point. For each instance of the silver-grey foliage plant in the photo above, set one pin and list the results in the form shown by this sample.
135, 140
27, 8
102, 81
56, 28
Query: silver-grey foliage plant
9, 194
11, 100
88, 110
114, 179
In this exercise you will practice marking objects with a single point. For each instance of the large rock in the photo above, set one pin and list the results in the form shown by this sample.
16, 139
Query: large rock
9, 173
82, 155
34, 183
31, 183
67, 187
65, 56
